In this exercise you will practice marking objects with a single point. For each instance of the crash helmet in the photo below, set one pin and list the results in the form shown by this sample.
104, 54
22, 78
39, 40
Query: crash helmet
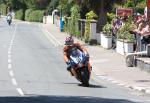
69, 40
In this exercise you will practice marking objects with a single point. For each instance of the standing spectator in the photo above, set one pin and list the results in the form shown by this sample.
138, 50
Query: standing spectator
142, 34
45, 17
117, 23
145, 35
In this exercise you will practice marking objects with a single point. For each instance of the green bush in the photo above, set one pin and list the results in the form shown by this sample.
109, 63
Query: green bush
28, 14
34, 15
3, 9
110, 17
123, 32
91, 15
67, 25
107, 29
37, 16
19, 14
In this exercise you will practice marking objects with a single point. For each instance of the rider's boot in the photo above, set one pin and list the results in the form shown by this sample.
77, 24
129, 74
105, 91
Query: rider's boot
68, 67
73, 72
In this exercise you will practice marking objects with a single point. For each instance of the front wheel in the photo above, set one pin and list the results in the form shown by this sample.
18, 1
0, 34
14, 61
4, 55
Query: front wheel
9, 22
85, 77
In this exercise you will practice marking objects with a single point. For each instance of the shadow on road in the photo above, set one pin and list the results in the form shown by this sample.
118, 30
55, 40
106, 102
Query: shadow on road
60, 99
96, 86
90, 86
93, 86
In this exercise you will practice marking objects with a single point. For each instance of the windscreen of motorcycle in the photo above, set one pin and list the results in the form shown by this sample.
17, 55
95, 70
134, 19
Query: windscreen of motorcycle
76, 56
8, 18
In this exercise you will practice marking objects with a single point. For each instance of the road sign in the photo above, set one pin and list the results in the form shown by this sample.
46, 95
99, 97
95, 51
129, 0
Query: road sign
124, 12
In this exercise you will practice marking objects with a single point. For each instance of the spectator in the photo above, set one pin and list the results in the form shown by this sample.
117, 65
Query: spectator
45, 17
142, 35
145, 35
116, 25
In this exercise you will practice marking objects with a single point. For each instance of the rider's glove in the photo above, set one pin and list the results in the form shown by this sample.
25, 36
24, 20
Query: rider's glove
68, 62
87, 57
68, 65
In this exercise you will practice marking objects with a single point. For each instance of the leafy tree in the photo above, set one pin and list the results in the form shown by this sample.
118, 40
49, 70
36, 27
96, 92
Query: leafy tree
65, 7
74, 18
18, 4
37, 4
100, 7
52, 5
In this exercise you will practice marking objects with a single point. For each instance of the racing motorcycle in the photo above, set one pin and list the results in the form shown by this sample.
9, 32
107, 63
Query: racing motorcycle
9, 20
79, 61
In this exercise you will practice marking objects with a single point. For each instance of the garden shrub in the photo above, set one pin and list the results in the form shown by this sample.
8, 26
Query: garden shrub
110, 17
19, 14
3, 9
107, 29
27, 14
124, 33
34, 15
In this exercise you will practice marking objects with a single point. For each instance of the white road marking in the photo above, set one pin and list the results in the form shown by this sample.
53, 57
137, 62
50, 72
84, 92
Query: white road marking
54, 38
9, 66
11, 73
20, 91
139, 88
109, 79
148, 91
9, 52
11, 44
121, 84
50, 36
9, 56
12, 40
14, 81
9, 49
115, 81
100, 61
9, 61
94, 78
52, 41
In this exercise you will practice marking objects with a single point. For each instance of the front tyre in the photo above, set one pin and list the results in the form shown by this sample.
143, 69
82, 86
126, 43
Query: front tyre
85, 78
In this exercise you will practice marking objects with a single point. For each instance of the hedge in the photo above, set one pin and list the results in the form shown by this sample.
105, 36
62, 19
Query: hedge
3, 9
34, 15
28, 14
19, 14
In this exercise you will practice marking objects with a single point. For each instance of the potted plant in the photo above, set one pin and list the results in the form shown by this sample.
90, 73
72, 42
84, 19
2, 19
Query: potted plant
125, 40
106, 38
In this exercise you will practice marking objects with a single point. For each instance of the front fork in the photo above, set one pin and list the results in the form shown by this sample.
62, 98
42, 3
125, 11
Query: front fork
73, 71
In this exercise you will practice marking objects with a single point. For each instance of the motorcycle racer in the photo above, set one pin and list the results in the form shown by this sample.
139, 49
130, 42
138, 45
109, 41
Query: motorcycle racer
69, 45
